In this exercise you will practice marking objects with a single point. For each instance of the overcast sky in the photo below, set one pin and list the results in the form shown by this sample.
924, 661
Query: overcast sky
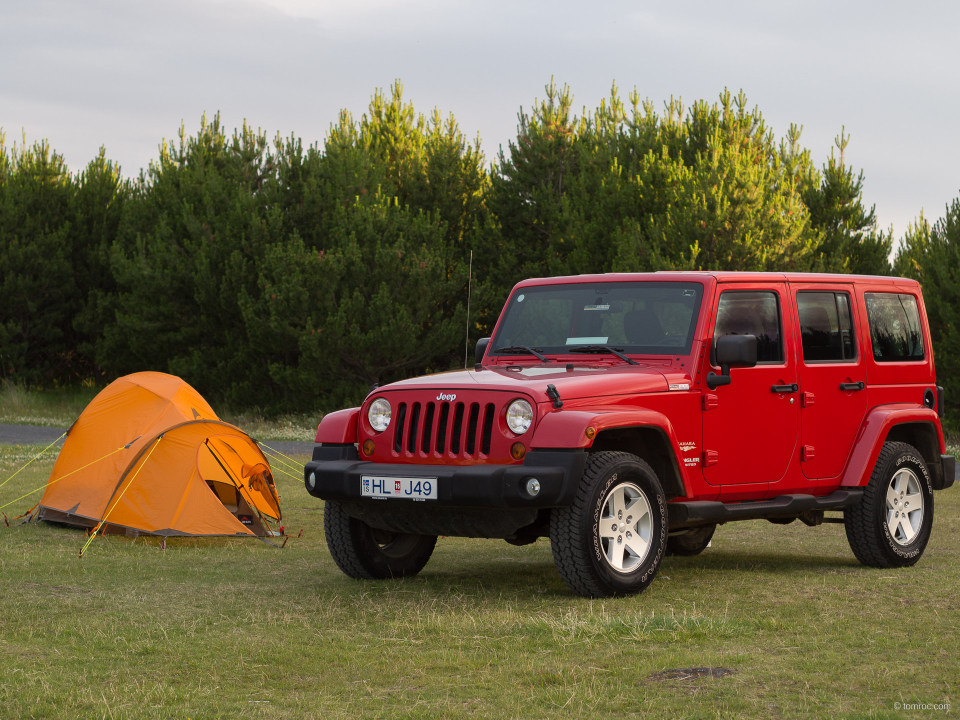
124, 74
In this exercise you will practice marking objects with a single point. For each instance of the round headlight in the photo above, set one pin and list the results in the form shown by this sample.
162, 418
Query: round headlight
379, 415
519, 416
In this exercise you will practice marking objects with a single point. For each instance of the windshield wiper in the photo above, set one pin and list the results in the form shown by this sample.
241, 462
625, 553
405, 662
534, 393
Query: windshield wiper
602, 349
521, 350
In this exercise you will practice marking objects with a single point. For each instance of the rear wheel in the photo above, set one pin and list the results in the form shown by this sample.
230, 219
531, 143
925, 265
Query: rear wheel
365, 553
611, 540
890, 526
693, 542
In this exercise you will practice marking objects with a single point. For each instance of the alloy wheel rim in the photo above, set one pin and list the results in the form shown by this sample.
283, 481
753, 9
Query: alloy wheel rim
904, 506
625, 528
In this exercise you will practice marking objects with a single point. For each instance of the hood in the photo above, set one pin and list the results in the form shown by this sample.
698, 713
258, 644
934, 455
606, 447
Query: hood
581, 382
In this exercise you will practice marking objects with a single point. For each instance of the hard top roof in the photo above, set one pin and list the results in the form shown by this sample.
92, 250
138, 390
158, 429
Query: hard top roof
723, 276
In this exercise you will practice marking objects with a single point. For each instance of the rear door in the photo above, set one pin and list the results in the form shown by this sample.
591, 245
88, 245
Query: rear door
751, 427
832, 377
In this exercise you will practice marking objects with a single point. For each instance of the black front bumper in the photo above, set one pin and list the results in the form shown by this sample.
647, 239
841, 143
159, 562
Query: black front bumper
337, 470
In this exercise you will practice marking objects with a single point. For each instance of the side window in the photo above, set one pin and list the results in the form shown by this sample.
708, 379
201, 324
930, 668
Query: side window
752, 313
894, 321
826, 327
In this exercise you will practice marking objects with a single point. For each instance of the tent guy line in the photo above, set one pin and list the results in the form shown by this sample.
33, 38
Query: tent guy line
263, 444
206, 478
93, 533
34, 458
237, 482
64, 477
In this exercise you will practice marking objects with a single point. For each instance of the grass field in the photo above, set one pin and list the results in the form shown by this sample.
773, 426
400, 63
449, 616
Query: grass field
237, 629
59, 408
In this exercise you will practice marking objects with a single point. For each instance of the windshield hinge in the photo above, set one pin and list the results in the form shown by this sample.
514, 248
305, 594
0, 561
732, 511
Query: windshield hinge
554, 395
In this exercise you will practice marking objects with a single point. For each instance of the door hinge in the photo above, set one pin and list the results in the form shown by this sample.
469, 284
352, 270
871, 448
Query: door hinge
709, 401
806, 453
710, 457
806, 399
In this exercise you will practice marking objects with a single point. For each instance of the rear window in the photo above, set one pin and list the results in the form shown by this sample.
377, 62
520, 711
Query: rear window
894, 321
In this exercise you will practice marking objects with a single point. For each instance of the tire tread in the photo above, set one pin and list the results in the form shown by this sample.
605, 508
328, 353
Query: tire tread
866, 543
336, 528
574, 567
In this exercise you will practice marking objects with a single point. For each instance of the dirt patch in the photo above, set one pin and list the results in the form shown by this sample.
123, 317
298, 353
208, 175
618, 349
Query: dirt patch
58, 589
694, 673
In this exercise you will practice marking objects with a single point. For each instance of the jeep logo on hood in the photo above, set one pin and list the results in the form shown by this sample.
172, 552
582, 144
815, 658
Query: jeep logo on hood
451, 398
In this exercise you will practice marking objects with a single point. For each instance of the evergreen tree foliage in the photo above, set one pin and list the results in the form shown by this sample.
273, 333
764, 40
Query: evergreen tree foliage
848, 237
634, 191
932, 256
273, 274
366, 309
40, 294
287, 276
194, 230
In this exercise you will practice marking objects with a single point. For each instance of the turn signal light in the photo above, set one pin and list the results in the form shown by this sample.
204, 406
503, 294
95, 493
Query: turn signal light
517, 451
368, 447
590, 432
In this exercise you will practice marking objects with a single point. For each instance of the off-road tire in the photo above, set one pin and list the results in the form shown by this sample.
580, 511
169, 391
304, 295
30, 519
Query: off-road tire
365, 553
574, 530
691, 543
866, 522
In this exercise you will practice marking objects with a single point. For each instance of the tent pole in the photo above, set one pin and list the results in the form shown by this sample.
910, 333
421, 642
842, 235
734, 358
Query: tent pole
238, 484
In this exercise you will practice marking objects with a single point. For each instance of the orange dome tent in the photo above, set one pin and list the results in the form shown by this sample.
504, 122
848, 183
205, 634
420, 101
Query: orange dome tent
148, 454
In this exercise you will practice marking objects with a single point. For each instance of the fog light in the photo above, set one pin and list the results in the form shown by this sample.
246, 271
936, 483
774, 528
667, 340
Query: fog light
368, 447
312, 480
517, 451
533, 487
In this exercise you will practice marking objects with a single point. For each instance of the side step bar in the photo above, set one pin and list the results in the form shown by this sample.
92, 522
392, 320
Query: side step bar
703, 512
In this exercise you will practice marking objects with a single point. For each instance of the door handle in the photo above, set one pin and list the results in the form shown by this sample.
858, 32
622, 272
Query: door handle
852, 386
785, 388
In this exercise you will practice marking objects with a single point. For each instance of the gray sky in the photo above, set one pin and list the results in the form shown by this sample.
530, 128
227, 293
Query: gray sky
124, 74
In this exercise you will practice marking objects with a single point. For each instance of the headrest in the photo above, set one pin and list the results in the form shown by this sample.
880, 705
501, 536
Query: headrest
815, 318
642, 327
741, 320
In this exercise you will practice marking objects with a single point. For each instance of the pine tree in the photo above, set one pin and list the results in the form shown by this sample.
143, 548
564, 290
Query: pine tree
849, 240
931, 255
40, 292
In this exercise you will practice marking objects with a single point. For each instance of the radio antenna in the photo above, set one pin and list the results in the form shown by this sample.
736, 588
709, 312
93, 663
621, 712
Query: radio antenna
466, 343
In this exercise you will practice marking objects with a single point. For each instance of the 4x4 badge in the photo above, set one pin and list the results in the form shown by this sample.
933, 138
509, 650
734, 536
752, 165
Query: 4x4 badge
451, 398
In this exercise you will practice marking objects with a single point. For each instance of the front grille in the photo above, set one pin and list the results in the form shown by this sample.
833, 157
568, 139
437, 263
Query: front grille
445, 429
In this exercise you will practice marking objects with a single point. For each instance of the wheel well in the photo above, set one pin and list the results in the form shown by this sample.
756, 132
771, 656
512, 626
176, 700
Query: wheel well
651, 444
923, 436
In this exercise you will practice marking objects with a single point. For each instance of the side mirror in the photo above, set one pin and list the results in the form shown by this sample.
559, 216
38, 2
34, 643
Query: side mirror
481, 349
732, 351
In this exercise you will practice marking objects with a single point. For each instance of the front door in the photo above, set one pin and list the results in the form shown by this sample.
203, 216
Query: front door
832, 378
750, 427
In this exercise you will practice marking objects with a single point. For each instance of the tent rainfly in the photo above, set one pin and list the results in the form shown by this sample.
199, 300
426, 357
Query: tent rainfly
148, 455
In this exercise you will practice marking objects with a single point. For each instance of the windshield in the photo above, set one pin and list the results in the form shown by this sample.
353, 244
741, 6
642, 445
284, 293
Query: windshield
644, 318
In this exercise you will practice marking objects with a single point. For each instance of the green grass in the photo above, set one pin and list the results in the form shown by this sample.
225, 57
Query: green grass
60, 407
50, 408
952, 441
234, 628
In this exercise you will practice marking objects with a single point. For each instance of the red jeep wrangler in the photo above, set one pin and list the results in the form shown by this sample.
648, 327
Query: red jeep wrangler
625, 416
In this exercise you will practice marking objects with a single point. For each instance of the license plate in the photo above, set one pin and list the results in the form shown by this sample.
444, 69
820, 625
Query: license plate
398, 487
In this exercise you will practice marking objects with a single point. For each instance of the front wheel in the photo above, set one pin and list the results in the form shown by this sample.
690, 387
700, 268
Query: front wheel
365, 553
891, 525
611, 540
